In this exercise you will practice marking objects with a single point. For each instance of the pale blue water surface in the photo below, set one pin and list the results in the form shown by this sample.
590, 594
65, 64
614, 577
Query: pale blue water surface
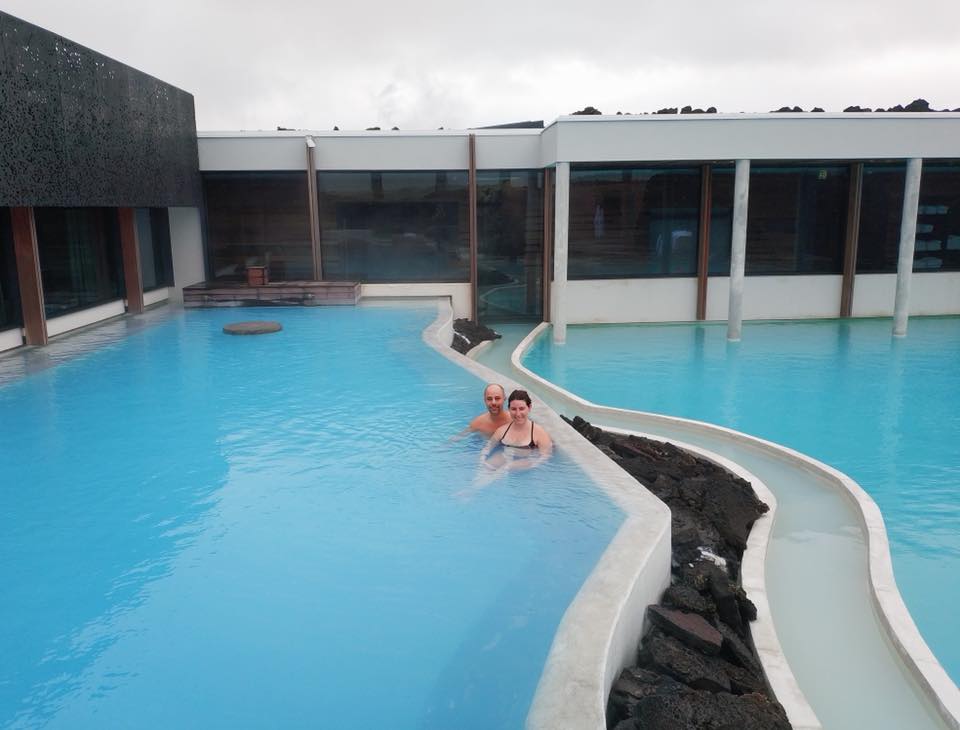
884, 410
199, 530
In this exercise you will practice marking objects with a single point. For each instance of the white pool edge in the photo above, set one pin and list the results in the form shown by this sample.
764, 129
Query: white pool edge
598, 633
902, 632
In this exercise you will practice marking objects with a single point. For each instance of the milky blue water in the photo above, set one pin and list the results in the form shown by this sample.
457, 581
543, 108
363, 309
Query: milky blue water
199, 530
885, 411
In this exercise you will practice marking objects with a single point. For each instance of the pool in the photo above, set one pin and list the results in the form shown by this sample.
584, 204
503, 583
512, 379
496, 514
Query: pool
213, 531
885, 411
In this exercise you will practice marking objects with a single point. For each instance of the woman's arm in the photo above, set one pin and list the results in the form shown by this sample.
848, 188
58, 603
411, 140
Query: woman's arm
542, 439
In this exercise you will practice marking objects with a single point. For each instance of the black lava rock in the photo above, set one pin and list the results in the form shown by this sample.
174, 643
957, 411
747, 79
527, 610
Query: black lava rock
467, 335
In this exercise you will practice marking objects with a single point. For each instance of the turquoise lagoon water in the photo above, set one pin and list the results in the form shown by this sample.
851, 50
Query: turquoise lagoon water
199, 530
885, 411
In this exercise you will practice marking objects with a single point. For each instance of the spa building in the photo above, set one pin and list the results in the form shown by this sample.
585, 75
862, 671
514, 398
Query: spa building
112, 202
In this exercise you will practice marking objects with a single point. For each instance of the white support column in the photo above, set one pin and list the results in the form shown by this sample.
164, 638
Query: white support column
738, 248
561, 219
908, 237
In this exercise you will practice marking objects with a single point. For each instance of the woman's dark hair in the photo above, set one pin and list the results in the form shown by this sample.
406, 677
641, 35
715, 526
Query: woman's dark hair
519, 395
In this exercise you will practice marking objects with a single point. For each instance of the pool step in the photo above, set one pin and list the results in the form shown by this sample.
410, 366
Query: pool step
241, 294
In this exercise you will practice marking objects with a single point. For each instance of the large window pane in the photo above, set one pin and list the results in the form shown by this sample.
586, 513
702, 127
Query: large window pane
394, 226
938, 218
633, 222
796, 219
510, 245
881, 208
153, 237
256, 219
79, 257
9, 291
721, 219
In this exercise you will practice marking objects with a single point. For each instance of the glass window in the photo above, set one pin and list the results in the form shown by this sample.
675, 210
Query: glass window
258, 218
633, 222
394, 226
938, 218
153, 237
796, 219
721, 219
79, 252
881, 208
510, 245
9, 290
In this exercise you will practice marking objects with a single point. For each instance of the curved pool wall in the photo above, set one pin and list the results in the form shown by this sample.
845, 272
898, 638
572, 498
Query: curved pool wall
599, 632
890, 679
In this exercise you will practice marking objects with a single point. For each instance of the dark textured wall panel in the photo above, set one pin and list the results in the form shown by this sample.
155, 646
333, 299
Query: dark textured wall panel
80, 129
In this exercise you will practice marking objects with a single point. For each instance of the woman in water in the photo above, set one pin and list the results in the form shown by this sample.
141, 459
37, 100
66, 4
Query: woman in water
520, 444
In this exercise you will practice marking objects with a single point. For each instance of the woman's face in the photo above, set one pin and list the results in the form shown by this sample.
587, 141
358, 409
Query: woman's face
519, 410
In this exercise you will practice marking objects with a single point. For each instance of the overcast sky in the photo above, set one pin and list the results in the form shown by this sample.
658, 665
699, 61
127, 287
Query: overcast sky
421, 65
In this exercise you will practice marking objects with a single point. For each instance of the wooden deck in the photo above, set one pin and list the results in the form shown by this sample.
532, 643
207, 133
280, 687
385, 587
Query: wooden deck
305, 293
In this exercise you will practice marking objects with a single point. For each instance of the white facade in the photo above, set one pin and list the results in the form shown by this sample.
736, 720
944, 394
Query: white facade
637, 140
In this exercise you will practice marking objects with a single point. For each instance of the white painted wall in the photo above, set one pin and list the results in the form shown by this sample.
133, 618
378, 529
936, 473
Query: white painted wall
440, 150
396, 151
931, 293
157, 295
631, 300
459, 293
548, 146
239, 151
935, 293
718, 298
186, 242
85, 317
791, 297
514, 151
757, 137
873, 295
11, 338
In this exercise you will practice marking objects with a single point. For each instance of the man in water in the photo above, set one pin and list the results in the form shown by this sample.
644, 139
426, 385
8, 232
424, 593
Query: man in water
496, 415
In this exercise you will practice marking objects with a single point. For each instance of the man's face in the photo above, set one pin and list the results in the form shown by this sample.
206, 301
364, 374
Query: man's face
493, 398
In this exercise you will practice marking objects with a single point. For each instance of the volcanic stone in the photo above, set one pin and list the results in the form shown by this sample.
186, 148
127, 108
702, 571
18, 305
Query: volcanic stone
686, 665
635, 683
688, 599
256, 327
691, 628
735, 650
706, 711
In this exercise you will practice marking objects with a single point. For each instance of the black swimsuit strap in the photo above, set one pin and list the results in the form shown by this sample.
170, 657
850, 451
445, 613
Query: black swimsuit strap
505, 432
533, 444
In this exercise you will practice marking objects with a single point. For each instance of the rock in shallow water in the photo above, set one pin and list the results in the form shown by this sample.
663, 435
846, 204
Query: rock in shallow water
256, 327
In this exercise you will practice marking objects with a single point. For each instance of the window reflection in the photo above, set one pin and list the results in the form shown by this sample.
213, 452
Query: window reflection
153, 237
721, 219
510, 245
633, 222
881, 208
394, 226
796, 219
258, 219
79, 251
937, 246
9, 289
